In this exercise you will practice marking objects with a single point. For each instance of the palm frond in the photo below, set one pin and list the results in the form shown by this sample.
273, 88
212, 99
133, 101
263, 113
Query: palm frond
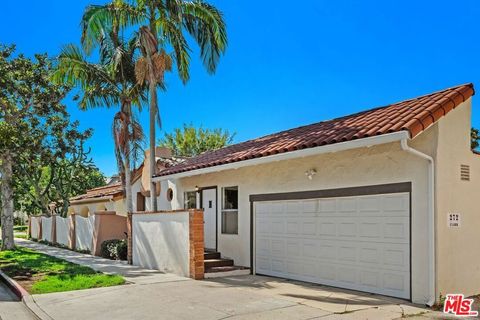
100, 20
172, 34
206, 25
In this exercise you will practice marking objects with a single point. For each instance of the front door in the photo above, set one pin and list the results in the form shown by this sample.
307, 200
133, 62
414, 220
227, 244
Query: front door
209, 204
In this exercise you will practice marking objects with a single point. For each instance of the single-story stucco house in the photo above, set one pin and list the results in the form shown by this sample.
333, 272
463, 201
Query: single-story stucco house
382, 201
112, 197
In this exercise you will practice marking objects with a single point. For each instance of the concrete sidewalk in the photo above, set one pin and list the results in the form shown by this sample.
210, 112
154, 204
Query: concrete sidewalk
11, 308
132, 274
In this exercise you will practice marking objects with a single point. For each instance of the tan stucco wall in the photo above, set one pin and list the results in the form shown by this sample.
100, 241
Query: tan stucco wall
458, 259
94, 206
365, 166
108, 225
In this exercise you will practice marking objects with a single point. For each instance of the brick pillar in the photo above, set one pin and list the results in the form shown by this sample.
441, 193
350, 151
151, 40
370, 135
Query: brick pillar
197, 268
72, 242
129, 239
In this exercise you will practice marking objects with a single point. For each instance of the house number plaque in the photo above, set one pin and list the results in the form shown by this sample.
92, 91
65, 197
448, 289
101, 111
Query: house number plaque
454, 220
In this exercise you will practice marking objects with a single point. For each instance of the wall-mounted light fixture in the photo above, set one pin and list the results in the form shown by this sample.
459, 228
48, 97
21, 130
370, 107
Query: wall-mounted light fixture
310, 173
197, 189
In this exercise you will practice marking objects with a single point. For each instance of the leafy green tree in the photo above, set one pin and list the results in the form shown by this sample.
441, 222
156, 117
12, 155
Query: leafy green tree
34, 126
190, 141
163, 25
49, 186
110, 83
475, 138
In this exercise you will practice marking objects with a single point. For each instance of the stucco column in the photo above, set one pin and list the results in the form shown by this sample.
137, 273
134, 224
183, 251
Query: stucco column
196, 236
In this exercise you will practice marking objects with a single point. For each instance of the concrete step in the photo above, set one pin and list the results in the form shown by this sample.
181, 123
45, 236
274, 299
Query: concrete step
211, 263
211, 255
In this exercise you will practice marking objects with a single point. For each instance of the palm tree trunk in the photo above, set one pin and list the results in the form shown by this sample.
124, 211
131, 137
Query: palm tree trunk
7, 201
128, 186
152, 162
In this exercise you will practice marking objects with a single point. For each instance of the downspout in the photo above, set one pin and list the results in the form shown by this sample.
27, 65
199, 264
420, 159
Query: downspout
431, 215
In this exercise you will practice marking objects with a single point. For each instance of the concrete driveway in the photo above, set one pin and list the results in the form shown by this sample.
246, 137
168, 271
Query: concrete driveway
240, 297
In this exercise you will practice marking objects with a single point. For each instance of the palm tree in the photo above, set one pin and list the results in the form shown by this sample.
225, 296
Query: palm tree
110, 83
164, 24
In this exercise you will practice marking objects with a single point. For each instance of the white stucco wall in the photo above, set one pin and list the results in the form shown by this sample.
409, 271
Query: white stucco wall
382, 164
95, 206
458, 261
47, 229
63, 230
84, 232
162, 201
161, 241
35, 227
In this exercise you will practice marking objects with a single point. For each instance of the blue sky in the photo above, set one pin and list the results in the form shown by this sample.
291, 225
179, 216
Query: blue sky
288, 63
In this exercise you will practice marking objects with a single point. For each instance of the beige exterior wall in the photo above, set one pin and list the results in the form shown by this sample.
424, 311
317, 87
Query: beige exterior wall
458, 259
365, 166
86, 209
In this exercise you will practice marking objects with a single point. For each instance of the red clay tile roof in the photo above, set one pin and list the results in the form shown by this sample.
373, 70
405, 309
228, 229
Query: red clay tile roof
114, 189
413, 115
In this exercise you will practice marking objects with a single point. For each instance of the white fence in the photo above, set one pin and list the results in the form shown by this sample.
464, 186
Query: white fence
161, 241
35, 227
84, 232
47, 229
63, 230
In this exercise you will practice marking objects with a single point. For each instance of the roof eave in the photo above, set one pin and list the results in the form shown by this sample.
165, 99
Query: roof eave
86, 200
330, 148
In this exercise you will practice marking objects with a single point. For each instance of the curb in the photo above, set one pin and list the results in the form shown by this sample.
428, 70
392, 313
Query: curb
24, 296
13, 285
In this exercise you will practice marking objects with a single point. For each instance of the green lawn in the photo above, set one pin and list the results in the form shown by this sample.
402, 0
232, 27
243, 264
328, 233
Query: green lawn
40, 273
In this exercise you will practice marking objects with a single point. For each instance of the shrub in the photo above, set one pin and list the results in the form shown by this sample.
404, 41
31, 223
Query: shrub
115, 249
20, 228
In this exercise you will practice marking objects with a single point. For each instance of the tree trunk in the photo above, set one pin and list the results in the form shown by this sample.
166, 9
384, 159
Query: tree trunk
7, 202
128, 185
152, 162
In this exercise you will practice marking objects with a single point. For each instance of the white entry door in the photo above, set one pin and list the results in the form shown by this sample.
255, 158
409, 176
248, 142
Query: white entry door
209, 203
360, 243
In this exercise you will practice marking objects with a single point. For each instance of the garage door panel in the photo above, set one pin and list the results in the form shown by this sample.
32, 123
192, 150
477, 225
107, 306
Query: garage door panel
310, 208
347, 205
327, 206
350, 242
327, 228
370, 229
293, 248
277, 248
398, 203
397, 229
309, 227
277, 226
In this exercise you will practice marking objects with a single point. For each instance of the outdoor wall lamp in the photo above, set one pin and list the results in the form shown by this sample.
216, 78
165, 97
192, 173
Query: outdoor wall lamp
310, 173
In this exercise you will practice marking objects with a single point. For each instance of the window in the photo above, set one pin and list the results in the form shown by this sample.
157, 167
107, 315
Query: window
230, 210
140, 202
190, 200
170, 194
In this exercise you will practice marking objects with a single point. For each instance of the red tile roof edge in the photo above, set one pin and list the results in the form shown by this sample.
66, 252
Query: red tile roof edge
413, 115
113, 189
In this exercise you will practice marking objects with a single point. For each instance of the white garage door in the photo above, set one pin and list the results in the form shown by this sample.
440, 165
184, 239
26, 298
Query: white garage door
360, 243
